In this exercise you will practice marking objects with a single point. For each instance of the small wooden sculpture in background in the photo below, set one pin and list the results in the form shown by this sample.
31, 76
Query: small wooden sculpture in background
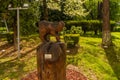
50, 28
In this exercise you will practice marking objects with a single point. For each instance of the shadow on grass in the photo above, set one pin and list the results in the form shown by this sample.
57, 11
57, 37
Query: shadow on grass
113, 57
7, 54
73, 51
11, 70
16, 57
5, 46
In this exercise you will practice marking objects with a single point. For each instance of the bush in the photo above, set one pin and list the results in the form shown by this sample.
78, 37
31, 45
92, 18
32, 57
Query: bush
88, 25
71, 37
117, 29
71, 40
10, 37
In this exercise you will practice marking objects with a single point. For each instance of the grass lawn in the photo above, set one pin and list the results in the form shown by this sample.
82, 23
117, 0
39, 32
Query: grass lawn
93, 61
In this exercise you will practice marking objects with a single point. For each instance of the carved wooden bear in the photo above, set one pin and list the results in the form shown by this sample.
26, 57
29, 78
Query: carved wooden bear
50, 28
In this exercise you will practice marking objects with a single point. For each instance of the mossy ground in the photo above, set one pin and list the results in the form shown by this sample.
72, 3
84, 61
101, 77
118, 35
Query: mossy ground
93, 61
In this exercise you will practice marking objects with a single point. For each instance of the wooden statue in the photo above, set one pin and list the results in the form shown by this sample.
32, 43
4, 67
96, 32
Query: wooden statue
50, 28
51, 57
51, 61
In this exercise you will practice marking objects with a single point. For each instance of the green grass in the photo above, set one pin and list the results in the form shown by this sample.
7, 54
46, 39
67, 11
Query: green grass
14, 70
2, 28
93, 61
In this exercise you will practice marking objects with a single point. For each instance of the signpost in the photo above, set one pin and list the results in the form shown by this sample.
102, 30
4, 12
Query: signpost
25, 6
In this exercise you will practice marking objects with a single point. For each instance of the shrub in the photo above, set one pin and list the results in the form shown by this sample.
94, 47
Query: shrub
88, 25
117, 29
71, 40
10, 37
71, 37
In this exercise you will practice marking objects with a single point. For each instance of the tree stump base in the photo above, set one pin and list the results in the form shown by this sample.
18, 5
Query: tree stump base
72, 73
51, 61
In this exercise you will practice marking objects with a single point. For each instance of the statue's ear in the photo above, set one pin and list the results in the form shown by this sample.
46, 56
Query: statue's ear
62, 23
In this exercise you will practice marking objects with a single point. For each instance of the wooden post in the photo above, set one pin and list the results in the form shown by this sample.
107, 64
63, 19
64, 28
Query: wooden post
51, 61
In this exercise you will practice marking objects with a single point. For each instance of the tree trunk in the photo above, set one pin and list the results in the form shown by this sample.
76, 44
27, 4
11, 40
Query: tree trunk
106, 33
15, 32
45, 10
51, 61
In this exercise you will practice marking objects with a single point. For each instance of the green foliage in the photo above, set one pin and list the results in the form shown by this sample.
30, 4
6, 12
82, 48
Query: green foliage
2, 29
92, 7
53, 15
10, 37
71, 40
88, 25
74, 8
55, 5
114, 10
71, 37
86, 22
66, 9
28, 17
117, 29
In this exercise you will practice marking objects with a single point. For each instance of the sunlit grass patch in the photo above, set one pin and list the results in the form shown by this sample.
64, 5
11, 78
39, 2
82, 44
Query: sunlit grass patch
92, 59
17, 69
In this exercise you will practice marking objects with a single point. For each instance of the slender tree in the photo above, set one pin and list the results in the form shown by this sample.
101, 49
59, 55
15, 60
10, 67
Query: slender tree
15, 31
45, 10
62, 5
99, 8
106, 33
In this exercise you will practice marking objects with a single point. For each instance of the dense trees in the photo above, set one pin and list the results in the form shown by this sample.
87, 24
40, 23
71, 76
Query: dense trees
27, 17
54, 10
71, 8
95, 8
